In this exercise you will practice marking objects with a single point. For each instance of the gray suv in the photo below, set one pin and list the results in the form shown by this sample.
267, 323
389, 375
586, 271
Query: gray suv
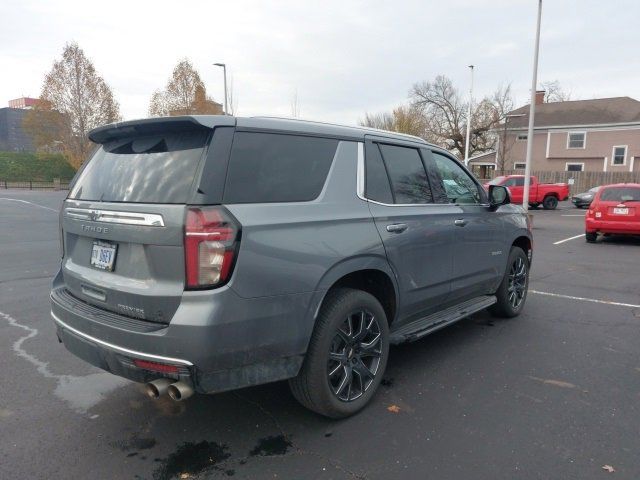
209, 253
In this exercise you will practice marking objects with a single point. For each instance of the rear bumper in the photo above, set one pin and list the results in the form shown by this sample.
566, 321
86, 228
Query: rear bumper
218, 340
619, 226
578, 202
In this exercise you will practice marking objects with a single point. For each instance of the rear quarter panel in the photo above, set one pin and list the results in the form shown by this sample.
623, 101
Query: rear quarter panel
288, 248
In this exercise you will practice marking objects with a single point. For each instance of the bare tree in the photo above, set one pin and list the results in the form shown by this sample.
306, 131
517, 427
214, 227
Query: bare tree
403, 119
445, 115
74, 99
555, 92
184, 94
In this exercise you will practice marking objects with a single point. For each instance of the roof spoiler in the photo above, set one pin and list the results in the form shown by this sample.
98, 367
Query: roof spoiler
148, 126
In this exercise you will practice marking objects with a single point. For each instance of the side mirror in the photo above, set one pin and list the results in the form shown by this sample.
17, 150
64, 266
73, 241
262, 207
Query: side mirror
498, 195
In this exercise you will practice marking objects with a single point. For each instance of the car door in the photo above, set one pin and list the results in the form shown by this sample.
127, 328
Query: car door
416, 232
480, 251
516, 188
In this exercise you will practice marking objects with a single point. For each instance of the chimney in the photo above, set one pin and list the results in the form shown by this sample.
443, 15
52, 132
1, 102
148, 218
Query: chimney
540, 97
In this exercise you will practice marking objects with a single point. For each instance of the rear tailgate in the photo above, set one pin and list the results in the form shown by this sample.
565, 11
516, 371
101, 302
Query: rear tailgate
123, 223
144, 278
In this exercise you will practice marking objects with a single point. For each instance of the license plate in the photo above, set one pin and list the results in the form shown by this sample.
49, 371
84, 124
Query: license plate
620, 211
103, 255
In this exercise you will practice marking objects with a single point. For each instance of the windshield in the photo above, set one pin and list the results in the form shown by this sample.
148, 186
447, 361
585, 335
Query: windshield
497, 181
594, 189
150, 169
621, 194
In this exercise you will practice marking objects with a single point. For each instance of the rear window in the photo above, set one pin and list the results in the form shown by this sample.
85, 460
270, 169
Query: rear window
621, 194
149, 169
268, 167
497, 181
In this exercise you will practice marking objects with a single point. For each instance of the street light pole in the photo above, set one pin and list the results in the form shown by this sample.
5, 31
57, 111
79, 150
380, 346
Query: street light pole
466, 144
224, 69
532, 112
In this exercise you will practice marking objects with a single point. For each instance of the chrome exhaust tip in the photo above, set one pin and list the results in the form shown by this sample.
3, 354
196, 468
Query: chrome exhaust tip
179, 391
157, 388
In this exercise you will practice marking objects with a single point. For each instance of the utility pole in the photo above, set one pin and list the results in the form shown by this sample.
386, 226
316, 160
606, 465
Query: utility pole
532, 112
466, 144
224, 68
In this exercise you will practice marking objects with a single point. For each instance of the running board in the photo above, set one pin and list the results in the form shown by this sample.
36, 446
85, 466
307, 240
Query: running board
419, 328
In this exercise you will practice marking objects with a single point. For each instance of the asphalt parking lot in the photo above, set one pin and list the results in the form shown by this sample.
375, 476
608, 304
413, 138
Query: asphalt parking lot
554, 393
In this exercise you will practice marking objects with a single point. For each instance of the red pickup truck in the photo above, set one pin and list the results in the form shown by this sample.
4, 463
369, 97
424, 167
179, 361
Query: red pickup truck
547, 194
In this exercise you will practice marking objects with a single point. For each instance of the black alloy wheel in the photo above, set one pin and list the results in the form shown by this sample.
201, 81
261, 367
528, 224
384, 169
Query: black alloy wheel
354, 355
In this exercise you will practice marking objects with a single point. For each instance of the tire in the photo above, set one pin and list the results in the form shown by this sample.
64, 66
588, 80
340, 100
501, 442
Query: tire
550, 202
506, 307
332, 381
591, 237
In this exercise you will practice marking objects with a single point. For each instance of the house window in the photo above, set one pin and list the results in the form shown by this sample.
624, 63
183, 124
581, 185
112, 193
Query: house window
521, 137
576, 139
619, 156
574, 167
519, 166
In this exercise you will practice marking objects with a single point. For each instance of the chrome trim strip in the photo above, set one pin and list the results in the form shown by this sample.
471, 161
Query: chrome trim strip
126, 351
111, 216
360, 175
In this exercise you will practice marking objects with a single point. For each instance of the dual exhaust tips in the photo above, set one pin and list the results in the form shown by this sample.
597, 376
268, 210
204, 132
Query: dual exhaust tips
178, 391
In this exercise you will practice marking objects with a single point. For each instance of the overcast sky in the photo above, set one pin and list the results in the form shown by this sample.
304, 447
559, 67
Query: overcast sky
344, 58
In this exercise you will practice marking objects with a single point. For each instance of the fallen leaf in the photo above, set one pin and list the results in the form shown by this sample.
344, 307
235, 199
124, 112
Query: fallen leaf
184, 475
393, 408
608, 468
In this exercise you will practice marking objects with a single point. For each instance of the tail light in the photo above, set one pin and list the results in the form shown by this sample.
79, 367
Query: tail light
210, 245
155, 366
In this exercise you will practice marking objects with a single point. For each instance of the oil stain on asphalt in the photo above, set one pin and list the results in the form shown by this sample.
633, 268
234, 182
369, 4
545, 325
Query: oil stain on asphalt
273, 445
191, 458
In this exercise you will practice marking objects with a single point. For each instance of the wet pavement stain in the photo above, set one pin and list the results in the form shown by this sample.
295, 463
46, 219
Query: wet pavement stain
387, 382
191, 458
135, 443
273, 445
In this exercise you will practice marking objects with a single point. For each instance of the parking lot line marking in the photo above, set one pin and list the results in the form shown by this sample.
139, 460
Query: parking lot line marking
582, 299
30, 203
567, 239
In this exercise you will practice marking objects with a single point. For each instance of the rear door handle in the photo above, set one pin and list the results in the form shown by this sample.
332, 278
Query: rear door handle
396, 227
460, 222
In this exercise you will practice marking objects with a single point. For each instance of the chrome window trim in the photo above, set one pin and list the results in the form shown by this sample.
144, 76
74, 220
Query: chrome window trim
112, 216
126, 351
360, 189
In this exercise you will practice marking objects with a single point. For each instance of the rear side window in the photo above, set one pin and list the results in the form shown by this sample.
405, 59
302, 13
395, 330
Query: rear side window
148, 169
267, 167
620, 194
407, 174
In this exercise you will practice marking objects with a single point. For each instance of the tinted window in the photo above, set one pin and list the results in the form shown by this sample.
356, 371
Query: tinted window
377, 185
267, 167
459, 186
621, 194
407, 174
149, 169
